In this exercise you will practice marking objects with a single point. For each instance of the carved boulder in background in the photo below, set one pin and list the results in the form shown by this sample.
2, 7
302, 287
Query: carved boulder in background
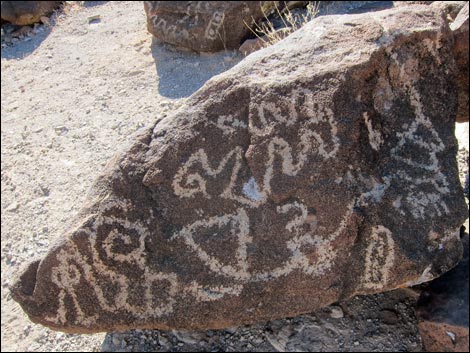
203, 26
316, 169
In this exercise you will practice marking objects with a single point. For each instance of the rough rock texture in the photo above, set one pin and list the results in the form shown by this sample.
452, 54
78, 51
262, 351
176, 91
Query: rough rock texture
204, 26
450, 8
251, 45
443, 310
26, 12
316, 169
461, 50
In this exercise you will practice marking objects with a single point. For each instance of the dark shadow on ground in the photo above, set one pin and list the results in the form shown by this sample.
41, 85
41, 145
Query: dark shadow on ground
352, 7
181, 72
27, 46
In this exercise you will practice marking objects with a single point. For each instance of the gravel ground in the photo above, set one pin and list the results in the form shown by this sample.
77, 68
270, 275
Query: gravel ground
73, 93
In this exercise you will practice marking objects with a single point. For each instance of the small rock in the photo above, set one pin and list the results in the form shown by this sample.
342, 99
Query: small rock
116, 341
45, 20
61, 130
94, 19
336, 312
13, 207
388, 317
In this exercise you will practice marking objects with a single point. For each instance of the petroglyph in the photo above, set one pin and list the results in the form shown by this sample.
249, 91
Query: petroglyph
375, 138
200, 158
169, 30
228, 124
216, 21
207, 294
240, 228
187, 183
420, 203
73, 267
258, 198
380, 256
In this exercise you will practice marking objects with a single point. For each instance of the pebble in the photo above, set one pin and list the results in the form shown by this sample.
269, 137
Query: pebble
336, 312
13, 207
61, 130
116, 341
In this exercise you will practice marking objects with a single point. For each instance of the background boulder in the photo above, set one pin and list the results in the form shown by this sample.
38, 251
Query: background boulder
204, 26
26, 12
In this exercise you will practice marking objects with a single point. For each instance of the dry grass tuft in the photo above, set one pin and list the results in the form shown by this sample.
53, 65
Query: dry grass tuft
269, 35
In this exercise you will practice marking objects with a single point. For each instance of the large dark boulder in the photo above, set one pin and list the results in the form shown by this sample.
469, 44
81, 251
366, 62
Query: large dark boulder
316, 169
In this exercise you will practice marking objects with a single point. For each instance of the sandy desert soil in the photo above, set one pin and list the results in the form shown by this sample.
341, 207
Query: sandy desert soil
72, 96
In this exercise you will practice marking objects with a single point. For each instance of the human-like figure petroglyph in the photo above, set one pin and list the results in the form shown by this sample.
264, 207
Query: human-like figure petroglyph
420, 203
380, 256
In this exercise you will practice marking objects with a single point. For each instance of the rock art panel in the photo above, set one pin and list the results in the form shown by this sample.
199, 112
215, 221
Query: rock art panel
316, 169
204, 26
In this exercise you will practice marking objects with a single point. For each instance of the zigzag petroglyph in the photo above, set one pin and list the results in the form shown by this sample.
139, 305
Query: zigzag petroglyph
188, 184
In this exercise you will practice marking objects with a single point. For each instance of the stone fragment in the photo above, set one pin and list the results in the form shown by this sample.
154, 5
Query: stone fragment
450, 8
204, 26
26, 12
461, 50
442, 310
316, 169
251, 45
